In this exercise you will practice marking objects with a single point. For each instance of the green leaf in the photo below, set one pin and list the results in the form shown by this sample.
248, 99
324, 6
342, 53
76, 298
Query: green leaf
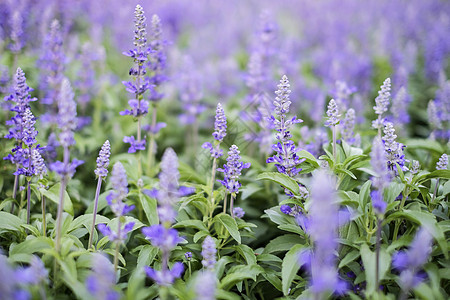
429, 145
191, 223
149, 205
247, 253
281, 179
86, 221
309, 158
283, 243
231, 226
425, 219
368, 259
239, 273
9, 222
53, 195
290, 267
364, 194
351, 256
31, 245
146, 256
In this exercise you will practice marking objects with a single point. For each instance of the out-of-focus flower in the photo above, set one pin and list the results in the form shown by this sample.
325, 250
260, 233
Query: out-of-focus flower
394, 150
333, 114
238, 212
382, 103
209, 253
442, 163
102, 281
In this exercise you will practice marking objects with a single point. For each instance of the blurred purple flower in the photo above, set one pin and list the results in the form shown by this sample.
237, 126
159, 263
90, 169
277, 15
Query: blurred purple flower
209, 253
102, 280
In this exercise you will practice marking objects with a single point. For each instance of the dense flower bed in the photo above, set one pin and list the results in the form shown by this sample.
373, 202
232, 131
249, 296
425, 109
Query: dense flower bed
268, 150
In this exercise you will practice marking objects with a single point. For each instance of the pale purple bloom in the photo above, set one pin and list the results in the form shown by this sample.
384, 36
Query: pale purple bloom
35, 274
205, 285
322, 227
138, 108
164, 238
119, 183
379, 205
410, 262
29, 132
9, 285
113, 234
157, 58
67, 112
188, 255
16, 30
382, 103
220, 131
286, 158
166, 277
209, 253
433, 118
442, 163
238, 212
333, 114
154, 129
415, 167
103, 160
40, 169
134, 144
102, 281
379, 164
65, 170
394, 150
348, 127
341, 93
232, 170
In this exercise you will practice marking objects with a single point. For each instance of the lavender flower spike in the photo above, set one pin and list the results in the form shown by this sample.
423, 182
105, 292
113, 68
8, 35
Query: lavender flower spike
333, 114
348, 127
205, 286
323, 226
220, 131
394, 150
40, 169
410, 262
286, 158
382, 103
379, 164
101, 171
232, 170
442, 163
102, 281
209, 253
103, 160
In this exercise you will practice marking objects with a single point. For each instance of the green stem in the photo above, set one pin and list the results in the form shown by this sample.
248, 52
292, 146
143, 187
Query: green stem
151, 147
435, 192
44, 221
97, 193
377, 254
211, 187
233, 195
62, 189
116, 253
16, 184
334, 144
28, 201
225, 203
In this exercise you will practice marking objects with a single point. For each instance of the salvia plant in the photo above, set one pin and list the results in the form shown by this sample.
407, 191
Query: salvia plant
98, 201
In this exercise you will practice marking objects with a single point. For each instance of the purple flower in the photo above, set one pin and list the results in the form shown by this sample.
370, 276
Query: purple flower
138, 108
209, 253
165, 277
348, 127
232, 170
154, 129
119, 183
102, 281
116, 236
442, 163
157, 59
65, 170
35, 274
188, 255
238, 212
286, 158
285, 209
399, 107
220, 124
134, 145
103, 160
9, 285
410, 262
379, 164
379, 205
205, 285
164, 238
394, 150
322, 227
29, 132
40, 169
382, 103
333, 114
67, 112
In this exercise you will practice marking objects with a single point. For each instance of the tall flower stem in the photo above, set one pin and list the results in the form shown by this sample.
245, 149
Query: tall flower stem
151, 146
435, 191
377, 254
44, 219
116, 253
225, 203
16, 184
211, 186
97, 193
233, 195
28, 200
62, 189
334, 143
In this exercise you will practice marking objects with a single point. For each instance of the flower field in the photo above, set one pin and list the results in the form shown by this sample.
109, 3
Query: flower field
224, 149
